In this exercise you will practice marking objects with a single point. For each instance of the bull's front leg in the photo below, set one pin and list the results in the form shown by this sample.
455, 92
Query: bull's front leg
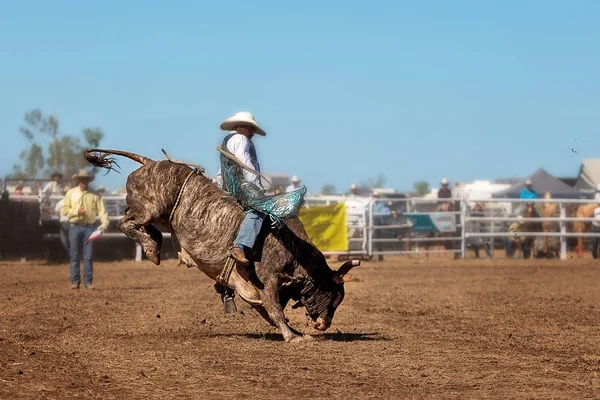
271, 303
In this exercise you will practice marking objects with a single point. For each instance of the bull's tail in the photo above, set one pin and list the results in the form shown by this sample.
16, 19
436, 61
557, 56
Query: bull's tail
101, 158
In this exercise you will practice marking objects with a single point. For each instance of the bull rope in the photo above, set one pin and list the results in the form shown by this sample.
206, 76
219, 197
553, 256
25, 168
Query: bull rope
223, 277
187, 178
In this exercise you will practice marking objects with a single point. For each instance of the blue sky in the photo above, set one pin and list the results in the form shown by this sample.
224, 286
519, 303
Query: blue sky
345, 90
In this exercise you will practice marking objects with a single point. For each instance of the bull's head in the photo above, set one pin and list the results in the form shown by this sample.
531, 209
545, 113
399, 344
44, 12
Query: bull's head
322, 298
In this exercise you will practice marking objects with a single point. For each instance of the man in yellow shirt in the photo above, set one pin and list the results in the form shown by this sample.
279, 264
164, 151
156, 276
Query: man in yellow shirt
82, 207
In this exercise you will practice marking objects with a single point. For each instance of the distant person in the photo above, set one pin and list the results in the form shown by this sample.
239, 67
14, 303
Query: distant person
596, 229
36, 190
82, 207
527, 193
54, 186
381, 213
353, 190
295, 184
444, 193
444, 205
477, 243
19, 189
64, 221
597, 195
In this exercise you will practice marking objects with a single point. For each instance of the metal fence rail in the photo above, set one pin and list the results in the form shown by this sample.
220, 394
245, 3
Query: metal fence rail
373, 232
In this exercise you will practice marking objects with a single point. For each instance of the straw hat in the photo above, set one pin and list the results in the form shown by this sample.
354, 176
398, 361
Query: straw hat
83, 174
528, 182
242, 118
444, 181
295, 179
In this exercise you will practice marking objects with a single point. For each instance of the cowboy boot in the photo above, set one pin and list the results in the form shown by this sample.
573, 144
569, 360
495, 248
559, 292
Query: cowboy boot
239, 256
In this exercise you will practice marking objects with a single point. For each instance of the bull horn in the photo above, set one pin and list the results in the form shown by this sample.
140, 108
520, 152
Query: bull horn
347, 266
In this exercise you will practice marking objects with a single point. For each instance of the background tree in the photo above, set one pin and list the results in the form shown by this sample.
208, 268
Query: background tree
62, 152
328, 189
374, 183
421, 188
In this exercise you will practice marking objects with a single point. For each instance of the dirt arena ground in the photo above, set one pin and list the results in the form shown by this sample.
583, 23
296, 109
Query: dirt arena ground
408, 329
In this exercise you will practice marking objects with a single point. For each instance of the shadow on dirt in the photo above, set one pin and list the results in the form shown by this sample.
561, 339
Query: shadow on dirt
333, 337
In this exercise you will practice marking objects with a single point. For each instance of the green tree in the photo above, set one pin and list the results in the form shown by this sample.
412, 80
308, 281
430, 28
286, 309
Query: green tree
63, 153
421, 188
328, 189
375, 183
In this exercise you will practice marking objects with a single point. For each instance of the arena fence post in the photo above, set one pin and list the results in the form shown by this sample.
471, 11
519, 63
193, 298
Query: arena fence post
563, 230
138, 252
370, 231
463, 228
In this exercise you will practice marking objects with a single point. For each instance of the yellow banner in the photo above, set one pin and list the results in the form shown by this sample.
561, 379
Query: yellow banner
326, 226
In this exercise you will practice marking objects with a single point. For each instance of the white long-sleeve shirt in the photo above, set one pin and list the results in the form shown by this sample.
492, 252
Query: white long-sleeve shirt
239, 146
597, 196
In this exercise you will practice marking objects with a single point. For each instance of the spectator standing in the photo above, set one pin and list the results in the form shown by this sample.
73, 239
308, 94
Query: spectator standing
444, 204
477, 226
82, 207
380, 213
295, 184
527, 193
597, 195
53, 187
444, 193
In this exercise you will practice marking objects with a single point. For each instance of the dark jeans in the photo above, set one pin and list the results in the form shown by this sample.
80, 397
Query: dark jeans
79, 246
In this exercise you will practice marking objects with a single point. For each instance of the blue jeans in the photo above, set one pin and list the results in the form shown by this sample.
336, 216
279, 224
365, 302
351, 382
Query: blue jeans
78, 243
250, 228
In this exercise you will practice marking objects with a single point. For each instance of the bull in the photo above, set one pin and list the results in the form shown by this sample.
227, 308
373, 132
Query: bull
203, 220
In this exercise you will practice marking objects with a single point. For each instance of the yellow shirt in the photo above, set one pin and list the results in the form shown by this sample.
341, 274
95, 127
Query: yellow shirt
93, 204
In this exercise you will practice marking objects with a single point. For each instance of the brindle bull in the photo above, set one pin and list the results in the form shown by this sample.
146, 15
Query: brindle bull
204, 219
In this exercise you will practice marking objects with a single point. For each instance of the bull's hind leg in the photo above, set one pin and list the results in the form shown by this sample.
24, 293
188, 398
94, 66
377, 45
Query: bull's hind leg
136, 225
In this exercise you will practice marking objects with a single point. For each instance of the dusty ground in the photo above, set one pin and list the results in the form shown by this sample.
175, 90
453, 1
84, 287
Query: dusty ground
435, 329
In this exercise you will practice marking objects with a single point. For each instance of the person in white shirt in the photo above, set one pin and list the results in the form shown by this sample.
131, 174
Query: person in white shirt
295, 184
597, 195
53, 187
243, 127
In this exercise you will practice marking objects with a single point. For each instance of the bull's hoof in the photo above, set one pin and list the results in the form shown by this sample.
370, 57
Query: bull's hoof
154, 257
295, 339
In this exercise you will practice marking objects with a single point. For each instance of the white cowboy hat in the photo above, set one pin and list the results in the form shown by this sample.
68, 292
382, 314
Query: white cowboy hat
444, 181
295, 179
528, 182
242, 118
353, 186
83, 173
